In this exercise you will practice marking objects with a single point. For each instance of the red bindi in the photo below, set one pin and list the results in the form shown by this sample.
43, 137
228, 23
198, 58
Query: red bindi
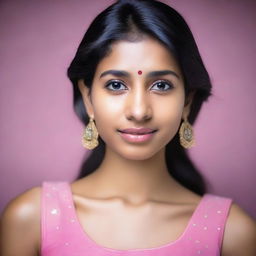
139, 72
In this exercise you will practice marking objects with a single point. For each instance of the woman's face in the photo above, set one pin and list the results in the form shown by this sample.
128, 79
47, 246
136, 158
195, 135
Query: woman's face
137, 110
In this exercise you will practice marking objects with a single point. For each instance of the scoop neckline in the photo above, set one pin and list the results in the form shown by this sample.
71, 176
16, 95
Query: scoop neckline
142, 250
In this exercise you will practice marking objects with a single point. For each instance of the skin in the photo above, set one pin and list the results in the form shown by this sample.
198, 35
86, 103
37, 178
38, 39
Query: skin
156, 204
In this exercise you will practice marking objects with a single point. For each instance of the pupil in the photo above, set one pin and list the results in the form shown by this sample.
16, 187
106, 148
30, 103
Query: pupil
160, 85
116, 85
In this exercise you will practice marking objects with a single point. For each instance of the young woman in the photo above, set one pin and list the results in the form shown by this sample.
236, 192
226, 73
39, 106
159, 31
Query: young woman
140, 78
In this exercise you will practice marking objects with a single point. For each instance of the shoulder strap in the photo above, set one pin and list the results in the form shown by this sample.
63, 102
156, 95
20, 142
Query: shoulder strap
207, 224
51, 212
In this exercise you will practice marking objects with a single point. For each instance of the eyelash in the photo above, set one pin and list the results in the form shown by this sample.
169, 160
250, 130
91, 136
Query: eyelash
158, 81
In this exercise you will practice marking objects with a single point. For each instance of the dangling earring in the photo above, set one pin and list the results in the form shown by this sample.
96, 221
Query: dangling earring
186, 134
90, 136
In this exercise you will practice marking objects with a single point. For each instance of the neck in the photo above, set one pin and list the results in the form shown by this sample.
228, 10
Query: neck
134, 180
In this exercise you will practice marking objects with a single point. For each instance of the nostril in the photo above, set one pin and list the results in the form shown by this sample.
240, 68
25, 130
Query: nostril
140, 114
139, 118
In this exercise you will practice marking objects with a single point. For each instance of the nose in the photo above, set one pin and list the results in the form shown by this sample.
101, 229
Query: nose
138, 107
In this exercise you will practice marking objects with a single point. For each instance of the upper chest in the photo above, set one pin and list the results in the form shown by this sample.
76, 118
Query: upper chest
149, 225
70, 225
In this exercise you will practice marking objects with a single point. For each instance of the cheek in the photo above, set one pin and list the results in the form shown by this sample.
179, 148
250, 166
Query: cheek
107, 111
169, 115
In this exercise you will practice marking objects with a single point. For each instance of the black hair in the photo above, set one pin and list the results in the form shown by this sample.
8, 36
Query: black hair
129, 20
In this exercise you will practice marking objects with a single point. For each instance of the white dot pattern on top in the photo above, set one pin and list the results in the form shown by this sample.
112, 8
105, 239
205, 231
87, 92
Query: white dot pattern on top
62, 233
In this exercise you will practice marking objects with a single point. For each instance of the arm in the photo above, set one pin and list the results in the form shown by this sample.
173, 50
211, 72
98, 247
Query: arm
20, 225
240, 234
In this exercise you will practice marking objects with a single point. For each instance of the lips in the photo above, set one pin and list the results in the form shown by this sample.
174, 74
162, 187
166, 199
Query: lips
137, 135
137, 131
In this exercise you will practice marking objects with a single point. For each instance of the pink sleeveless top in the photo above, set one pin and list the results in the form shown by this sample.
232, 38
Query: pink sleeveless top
63, 235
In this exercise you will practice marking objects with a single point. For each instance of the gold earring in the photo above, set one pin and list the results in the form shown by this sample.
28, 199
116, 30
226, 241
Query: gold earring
90, 136
186, 134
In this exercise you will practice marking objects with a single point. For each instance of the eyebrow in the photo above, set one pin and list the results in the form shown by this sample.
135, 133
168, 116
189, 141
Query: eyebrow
122, 73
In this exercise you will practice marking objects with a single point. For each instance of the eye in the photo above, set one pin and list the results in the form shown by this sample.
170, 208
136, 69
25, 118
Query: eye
115, 86
162, 86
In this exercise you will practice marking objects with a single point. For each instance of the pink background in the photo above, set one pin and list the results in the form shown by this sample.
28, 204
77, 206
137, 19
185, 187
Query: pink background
40, 134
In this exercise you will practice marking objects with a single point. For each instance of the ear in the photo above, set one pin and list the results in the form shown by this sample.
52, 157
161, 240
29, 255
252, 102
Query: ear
86, 98
187, 106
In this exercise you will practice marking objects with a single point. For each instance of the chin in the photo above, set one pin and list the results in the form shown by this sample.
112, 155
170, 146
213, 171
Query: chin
138, 154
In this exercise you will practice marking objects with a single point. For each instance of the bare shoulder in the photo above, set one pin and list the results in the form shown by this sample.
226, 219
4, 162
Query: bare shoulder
20, 224
240, 234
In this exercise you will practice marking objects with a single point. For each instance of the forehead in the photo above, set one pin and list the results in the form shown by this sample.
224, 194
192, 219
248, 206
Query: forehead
145, 54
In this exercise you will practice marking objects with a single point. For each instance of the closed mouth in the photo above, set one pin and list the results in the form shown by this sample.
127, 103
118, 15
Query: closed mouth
137, 131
